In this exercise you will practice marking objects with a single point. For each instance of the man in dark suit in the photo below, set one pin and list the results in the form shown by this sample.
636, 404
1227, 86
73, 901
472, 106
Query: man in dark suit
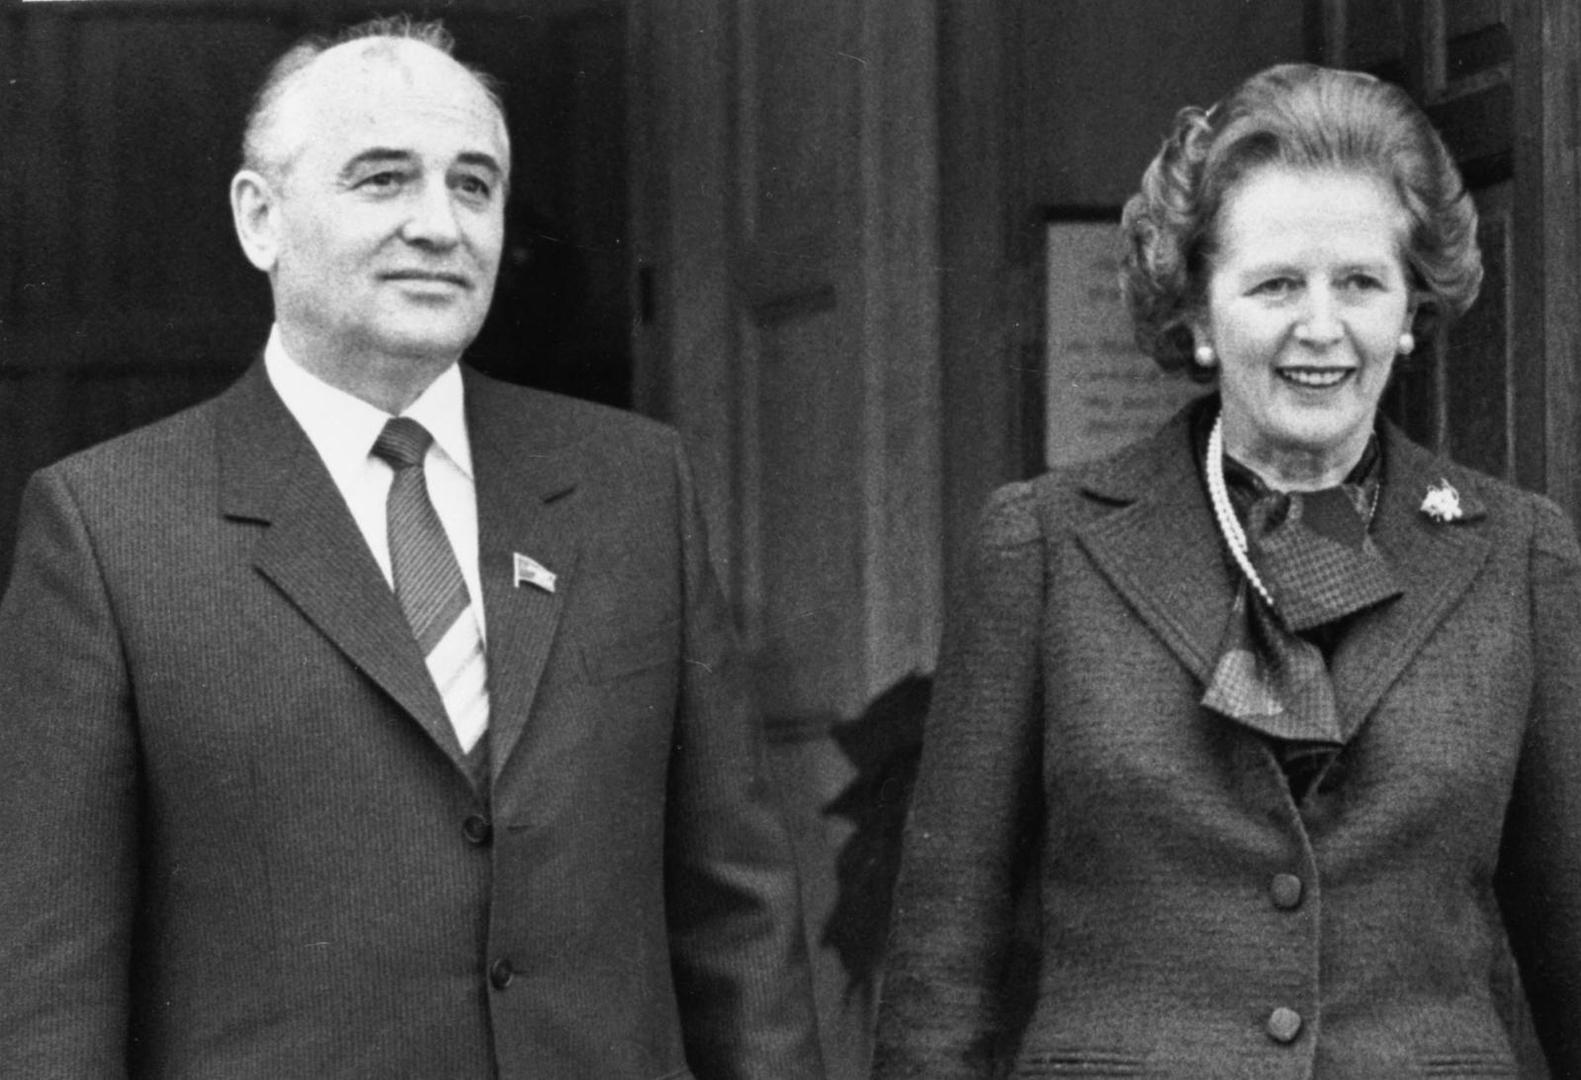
376, 719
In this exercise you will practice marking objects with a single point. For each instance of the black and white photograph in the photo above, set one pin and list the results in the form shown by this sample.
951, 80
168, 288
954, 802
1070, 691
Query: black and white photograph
790, 539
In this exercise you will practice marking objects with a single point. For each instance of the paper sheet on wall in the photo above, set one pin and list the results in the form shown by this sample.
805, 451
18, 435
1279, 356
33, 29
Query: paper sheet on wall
1102, 391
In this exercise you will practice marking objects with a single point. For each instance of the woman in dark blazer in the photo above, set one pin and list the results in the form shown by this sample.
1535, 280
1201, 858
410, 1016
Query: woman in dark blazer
1269, 726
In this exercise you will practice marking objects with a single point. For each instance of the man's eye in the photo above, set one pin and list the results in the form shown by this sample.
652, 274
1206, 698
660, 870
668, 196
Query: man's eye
1363, 282
381, 181
475, 186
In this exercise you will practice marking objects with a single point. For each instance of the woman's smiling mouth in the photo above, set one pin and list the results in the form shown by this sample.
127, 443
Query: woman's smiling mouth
1315, 378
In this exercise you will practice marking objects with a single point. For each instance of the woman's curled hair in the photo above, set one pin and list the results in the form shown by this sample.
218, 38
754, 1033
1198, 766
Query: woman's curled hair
1304, 117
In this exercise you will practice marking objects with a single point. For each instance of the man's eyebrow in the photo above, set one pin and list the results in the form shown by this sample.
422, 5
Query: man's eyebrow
386, 155
377, 155
480, 160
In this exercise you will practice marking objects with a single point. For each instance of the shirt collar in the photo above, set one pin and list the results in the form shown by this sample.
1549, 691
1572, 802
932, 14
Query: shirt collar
343, 427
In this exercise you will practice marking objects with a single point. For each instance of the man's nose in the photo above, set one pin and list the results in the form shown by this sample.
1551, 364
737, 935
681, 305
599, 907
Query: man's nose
432, 218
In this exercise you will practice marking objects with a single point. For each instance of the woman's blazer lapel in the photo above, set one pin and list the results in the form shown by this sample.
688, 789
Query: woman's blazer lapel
1152, 535
1433, 561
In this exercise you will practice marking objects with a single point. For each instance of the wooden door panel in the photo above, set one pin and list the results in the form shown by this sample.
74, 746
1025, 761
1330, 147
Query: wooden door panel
1496, 396
1477, 387
1498, 79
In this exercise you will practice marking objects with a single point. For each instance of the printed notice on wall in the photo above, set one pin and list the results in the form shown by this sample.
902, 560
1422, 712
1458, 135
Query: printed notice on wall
1103, 392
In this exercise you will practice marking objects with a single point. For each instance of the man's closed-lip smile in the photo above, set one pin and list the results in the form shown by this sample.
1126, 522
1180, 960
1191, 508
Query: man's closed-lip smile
439, 277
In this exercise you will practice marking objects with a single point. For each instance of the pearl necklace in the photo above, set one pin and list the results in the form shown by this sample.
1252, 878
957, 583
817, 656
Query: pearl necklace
1229, 524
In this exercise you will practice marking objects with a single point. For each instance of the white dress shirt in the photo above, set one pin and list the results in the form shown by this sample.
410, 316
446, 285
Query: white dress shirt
343, 428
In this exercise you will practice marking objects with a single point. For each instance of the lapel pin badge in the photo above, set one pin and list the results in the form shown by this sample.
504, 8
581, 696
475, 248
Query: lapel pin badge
529, 571
1443, 502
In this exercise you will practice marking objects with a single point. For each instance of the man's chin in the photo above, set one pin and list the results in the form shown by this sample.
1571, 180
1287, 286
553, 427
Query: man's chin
429, 346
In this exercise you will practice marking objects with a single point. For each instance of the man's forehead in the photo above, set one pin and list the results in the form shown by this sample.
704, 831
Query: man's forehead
364, 90
380, 60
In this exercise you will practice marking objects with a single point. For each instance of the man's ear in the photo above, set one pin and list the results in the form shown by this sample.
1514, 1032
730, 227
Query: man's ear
256, 211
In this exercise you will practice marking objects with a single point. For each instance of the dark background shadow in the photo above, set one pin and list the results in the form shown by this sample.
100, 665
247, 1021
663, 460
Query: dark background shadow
124, 295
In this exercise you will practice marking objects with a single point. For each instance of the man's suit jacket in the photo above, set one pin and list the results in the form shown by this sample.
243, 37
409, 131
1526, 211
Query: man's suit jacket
236, 835
1192, 920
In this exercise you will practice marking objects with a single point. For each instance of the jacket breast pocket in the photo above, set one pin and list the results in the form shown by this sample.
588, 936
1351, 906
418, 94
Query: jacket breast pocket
1076, 1063
1472, 1065
628, 654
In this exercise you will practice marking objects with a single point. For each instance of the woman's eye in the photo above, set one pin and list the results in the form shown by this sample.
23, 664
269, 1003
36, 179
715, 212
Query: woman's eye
476, 186
1275, 287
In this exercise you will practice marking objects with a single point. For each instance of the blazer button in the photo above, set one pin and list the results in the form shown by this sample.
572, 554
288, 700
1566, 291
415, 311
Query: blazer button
1284, 1025
501, 973
477, 829
1286, 890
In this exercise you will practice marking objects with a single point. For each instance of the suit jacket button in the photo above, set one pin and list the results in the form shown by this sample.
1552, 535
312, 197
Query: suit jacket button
1284, 1025
501, 973
477, 829
1286, 890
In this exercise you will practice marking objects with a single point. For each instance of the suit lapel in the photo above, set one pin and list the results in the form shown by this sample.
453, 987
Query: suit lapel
313, 552
526, 491
1434, 562
1160, 547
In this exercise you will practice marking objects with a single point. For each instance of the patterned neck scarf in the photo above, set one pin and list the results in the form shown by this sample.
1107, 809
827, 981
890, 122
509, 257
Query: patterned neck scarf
1318, 561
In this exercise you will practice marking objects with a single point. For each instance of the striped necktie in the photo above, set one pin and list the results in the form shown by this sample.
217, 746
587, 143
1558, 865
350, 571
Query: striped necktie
429, 585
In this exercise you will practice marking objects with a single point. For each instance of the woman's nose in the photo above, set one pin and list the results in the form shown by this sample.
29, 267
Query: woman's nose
1318, 322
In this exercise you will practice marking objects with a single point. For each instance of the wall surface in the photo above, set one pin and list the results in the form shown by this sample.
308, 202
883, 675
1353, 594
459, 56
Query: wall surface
1103, 81
1054, 104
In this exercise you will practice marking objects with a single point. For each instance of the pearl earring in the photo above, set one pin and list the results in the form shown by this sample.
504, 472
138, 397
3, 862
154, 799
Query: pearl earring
1204, 355
1407, 343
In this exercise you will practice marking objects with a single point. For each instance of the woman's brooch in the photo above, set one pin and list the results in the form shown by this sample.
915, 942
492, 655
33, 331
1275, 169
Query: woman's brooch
1443, 502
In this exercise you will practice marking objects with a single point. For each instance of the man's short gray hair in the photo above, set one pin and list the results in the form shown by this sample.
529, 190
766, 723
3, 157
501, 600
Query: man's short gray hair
262, 113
